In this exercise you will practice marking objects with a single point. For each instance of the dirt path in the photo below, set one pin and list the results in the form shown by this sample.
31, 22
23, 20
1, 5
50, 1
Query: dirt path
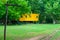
48, 37
37, 37
58, 38
44, 37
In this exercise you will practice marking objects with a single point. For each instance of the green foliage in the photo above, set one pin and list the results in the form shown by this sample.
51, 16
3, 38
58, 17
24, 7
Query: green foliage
14, 12
52, 8
48, 8
35, 5
2, 9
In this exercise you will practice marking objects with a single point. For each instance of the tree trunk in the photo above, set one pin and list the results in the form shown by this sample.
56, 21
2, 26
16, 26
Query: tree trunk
44, 20
54, 22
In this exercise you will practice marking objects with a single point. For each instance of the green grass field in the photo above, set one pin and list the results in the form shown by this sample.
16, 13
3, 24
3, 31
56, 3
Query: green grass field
21, 32
56, 36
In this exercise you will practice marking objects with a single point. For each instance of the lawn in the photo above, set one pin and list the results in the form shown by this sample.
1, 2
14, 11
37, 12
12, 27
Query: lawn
21, 32
56, 36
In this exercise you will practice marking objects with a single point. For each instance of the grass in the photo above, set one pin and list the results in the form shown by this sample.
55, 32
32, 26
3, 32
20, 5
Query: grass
56, 36
21, 32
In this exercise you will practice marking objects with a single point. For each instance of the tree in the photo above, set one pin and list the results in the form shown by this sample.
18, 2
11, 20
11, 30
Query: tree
35, 5
14, 12
52, 8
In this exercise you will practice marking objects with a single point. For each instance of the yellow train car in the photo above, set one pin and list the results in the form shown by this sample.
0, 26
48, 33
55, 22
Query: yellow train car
29, 17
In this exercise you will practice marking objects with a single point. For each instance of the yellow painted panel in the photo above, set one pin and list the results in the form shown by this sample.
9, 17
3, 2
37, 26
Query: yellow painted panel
31, 17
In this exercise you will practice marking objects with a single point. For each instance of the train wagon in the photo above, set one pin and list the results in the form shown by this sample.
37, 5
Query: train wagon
29, 17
